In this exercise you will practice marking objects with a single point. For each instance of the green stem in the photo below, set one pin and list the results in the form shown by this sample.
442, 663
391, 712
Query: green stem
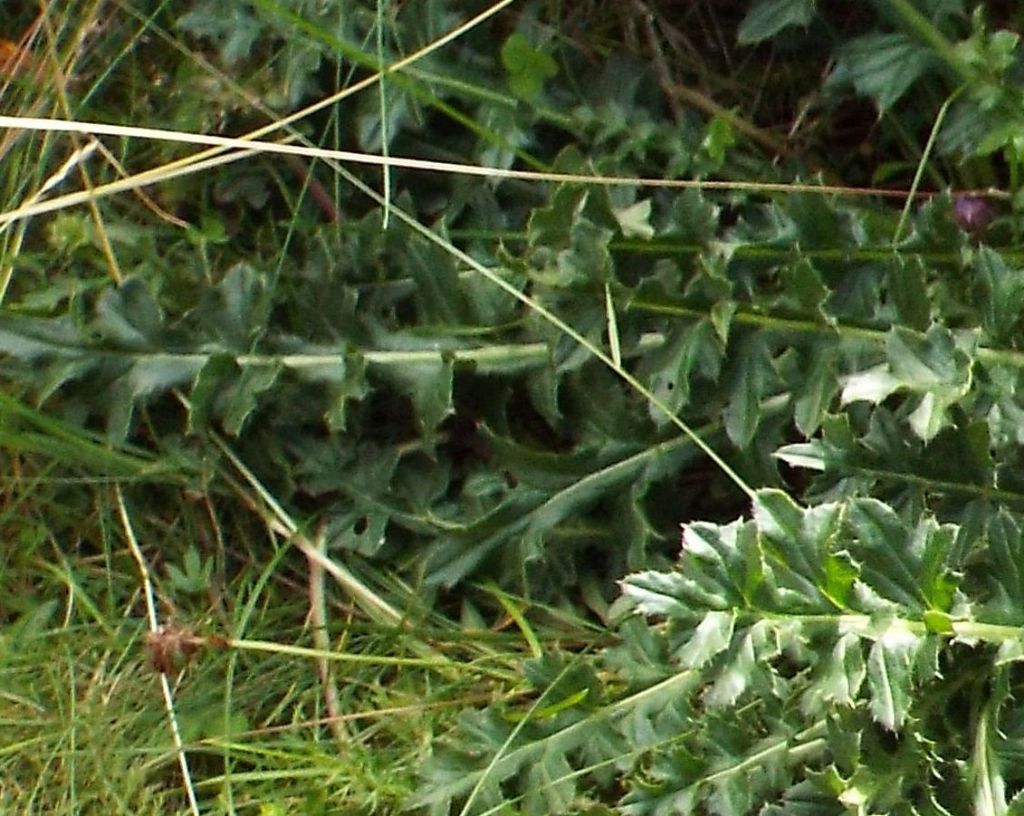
807, 743
926, 30
867, 626
804, 326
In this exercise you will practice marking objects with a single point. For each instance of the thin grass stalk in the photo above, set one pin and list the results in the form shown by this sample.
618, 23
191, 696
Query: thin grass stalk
248, 147
154, 630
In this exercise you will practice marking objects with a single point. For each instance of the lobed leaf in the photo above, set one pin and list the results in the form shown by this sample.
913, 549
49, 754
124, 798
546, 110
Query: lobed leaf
768, 17
882, 66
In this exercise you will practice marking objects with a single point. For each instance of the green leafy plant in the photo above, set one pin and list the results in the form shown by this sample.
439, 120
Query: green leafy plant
488, 404
527, 66
833, 658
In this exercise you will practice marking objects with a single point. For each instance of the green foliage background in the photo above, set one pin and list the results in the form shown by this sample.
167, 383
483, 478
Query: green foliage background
839, 632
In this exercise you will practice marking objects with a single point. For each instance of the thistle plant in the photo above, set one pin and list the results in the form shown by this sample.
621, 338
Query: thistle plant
647, 460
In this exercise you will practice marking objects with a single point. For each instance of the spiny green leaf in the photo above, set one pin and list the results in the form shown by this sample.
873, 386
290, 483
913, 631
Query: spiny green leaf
816, 389
843, 675
1004, 294
553, 488
160, 372
693, 217
805, 288
817, 221
718, 138
890, 677
577, 496
722, 570
561, 677
805, 541
587, 260
768, 17
689, 352
752, 377
810, 797
909, 292
882, 66
989, 786
343, 379
152, 374
635, 219
550, 785
218, 369
235, 30
32, 339
907, 567
240, 400
1006, 549
710, 637
129, 315
755, 649
874, 385
935, 365
930, 361
665, 593
429, 387
438, 289
546, 745
236, 309
550, 226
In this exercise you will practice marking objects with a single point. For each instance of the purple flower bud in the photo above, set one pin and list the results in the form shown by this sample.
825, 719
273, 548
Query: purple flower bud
972, 212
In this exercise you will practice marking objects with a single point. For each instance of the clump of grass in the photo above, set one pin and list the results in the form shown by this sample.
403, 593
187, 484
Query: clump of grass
85, 728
